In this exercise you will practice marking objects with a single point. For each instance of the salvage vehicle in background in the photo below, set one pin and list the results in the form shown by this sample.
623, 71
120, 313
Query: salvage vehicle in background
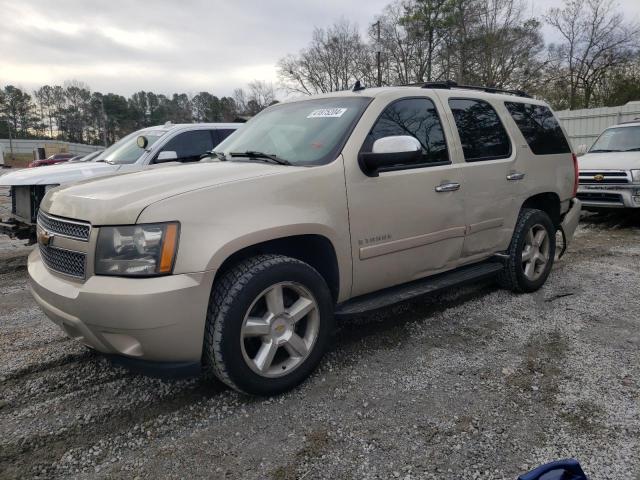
54, 159
333, 205
610, 170
160, 145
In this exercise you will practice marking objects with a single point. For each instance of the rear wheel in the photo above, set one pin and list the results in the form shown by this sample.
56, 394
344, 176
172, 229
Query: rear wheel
531, 252
268, 324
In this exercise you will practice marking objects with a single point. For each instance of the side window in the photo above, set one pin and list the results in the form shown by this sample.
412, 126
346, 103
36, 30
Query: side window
482, 134
219, 134
539, 127
417, 117
190, 145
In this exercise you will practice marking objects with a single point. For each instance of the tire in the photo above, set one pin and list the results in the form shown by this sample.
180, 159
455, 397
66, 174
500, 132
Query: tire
255, 312
518, 275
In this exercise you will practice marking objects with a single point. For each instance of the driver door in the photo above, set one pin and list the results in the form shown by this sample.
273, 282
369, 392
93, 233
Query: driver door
404, 224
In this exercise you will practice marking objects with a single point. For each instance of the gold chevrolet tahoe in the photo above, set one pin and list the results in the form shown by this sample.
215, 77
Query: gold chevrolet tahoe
317, 209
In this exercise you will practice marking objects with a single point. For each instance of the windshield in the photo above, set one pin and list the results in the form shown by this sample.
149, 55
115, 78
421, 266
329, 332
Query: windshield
620, 139
308, 132
126, 150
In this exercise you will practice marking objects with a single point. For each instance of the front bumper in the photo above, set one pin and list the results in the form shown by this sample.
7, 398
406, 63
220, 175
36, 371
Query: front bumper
159, 319
610, 196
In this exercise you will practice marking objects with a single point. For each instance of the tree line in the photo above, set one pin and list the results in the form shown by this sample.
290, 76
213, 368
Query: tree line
72, 112
593, 61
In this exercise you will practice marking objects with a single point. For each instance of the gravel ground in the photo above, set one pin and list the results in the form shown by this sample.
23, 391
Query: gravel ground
474, 383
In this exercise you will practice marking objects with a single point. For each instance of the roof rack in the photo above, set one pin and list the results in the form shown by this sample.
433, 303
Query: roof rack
449, 84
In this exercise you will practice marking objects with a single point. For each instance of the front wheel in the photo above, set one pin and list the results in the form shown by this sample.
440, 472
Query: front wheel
268, 324
531, 252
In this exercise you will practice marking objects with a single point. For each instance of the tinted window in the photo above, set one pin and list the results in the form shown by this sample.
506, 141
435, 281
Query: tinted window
417, 117
189, 146
481, 132
223, 133
539, 128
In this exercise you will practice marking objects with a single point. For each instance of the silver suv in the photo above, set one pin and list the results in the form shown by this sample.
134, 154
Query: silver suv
610, 171
317, 209
160, 145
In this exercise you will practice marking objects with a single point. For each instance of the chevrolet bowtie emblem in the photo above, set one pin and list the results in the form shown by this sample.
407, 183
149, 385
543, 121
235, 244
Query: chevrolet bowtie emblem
598, 178
45, 238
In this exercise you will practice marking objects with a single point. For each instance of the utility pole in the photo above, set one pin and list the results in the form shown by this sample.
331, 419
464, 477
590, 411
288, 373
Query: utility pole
379, 54
10, 141
104, 123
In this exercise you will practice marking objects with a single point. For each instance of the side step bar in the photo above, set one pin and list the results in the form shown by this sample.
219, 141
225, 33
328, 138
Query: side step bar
400, 293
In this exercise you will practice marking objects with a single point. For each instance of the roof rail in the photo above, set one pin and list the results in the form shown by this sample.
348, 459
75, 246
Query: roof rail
449, 84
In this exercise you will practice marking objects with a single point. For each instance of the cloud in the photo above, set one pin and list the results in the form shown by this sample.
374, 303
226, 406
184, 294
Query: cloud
168, 46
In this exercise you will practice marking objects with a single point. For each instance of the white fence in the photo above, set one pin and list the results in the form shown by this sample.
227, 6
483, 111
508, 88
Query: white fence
584, 126
27, 146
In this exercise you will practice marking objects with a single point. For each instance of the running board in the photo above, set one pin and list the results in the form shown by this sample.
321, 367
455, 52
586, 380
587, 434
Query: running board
400, 293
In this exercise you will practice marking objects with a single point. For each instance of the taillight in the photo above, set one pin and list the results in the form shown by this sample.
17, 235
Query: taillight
576, 174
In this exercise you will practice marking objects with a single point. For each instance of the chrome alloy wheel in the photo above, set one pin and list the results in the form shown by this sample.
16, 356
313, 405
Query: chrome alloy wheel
280, 329
535, 253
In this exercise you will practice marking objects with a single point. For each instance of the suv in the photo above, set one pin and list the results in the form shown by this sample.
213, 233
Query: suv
610, 170
324, 207
165, 143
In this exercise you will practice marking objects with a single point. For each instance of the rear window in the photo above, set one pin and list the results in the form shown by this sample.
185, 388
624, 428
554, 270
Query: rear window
481, 132
539, 127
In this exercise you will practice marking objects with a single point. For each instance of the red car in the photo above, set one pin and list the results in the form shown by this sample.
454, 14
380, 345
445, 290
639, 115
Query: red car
52, 160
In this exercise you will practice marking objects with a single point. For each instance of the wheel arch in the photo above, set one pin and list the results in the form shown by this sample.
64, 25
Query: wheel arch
548, 202
314, 249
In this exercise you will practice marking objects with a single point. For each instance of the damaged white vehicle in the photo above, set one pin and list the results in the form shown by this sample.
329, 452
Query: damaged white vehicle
143, 149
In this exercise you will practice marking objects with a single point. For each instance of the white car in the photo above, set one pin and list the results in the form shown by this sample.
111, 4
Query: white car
141, 149
610, 170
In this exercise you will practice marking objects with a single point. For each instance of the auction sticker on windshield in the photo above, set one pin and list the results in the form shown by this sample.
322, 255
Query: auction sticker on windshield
327, 113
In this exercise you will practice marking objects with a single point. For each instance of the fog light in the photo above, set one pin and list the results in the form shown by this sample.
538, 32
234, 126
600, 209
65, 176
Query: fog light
636, 200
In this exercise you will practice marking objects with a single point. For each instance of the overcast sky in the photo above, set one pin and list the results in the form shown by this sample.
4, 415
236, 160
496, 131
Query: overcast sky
167, 46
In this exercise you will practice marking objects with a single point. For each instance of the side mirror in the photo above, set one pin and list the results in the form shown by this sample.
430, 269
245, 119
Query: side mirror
581, 150
388, 152
167, 156
142, 141
561, 470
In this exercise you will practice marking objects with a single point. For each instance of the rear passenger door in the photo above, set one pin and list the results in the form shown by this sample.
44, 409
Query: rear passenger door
490, 172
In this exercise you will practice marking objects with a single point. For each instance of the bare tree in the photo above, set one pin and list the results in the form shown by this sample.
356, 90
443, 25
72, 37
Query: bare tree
506, 45
596, 39
334, 60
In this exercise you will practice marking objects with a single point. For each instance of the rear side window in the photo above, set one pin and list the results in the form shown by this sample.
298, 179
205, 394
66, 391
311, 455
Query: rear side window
417, 117
482, 134
539, 127
189, 146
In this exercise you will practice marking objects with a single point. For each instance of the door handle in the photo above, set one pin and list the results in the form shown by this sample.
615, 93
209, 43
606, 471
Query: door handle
515, 176
448, 187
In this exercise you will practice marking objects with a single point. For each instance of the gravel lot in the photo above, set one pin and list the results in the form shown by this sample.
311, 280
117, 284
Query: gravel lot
474, 383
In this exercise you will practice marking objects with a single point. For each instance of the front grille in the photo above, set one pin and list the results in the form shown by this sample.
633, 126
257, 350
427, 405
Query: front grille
600, 197
64, 228
607, 177
64, 261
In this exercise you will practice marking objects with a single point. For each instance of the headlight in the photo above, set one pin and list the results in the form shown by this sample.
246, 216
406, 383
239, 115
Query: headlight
137, 250
635, 176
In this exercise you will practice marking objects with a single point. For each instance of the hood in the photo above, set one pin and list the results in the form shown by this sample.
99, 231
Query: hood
609, 161
119, 199
59, 174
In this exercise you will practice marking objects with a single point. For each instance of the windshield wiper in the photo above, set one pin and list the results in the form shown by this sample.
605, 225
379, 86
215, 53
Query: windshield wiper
261, 156
602, 150
636, 149
212, 153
